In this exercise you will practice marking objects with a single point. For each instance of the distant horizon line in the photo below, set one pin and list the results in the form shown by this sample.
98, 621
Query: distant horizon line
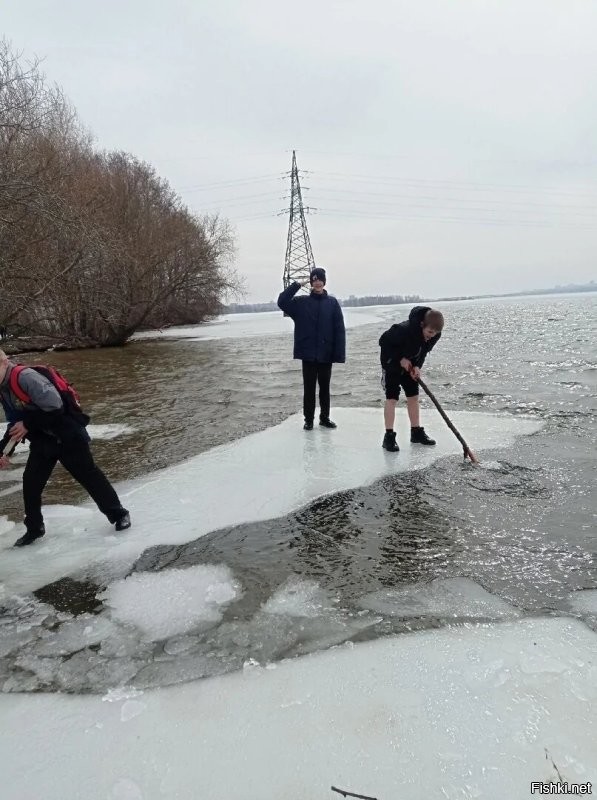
395, 299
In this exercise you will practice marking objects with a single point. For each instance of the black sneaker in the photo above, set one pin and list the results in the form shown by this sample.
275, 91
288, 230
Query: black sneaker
418, 436
326, 422
30, 537
123, 523
389, 442
308, 426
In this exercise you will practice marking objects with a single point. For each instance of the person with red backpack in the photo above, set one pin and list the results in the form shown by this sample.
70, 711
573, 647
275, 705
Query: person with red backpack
41, 406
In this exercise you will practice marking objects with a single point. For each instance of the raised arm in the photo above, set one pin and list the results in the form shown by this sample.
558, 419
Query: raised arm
286, 299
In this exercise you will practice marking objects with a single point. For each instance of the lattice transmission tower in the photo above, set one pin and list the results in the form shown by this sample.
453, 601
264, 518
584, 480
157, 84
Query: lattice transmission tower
299, 255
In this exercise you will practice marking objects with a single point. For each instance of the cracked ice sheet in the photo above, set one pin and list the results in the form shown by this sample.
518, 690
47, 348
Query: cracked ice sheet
258, 477
452, 713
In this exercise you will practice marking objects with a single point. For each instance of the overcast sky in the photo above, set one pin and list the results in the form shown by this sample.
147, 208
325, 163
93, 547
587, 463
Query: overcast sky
451, 144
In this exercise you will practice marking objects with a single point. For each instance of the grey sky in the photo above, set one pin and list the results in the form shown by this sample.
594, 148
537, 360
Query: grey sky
451, 144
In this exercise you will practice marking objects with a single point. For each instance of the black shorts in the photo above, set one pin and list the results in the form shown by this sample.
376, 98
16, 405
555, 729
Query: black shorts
392, 381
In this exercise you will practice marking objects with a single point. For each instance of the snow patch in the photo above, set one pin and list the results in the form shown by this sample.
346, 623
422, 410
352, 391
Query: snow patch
173, 601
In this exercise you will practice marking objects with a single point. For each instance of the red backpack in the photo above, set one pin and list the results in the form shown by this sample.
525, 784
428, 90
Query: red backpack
68, 393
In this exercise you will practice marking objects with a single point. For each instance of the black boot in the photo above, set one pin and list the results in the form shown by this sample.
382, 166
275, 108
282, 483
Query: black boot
389, 442
326, 422
418, 436
30, 537
308, 426
124, 522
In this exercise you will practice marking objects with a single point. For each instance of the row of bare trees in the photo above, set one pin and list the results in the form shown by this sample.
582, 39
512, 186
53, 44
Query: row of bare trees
93, 245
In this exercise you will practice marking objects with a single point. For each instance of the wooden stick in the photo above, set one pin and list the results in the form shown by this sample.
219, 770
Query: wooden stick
468, 453
351, 794
10, 447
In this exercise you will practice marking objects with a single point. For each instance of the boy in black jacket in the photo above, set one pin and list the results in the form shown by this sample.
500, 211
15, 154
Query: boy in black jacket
403, 351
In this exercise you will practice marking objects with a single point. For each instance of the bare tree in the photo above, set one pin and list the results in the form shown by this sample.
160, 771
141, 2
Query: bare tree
93, 245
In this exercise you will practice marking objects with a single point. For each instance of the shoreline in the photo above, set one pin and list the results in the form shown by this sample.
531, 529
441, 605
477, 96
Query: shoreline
40, 344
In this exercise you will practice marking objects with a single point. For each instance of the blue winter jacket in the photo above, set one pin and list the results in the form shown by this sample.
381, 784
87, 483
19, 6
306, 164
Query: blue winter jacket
319, 333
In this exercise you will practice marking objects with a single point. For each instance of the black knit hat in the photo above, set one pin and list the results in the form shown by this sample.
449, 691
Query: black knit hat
317, 272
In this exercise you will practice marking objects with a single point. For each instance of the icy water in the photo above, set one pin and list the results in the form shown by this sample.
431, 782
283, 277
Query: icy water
445, 545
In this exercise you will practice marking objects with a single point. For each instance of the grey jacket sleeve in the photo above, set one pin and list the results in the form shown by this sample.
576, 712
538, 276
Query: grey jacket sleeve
42, 392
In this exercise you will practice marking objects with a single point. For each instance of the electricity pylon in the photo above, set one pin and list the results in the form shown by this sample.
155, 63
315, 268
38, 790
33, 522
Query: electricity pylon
299, 255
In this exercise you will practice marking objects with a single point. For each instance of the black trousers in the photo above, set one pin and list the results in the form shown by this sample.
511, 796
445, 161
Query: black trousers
75, 456
314, 373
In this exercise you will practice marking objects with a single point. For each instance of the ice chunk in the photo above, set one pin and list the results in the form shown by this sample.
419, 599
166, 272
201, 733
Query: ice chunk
173, 601
180, 644
120, 693
84, 631
88, 671
320, 634
124, 641
109, 431
183, 669
299, 598
264, 638
11, 639
444, 598
25, 613
44, 668
112, 673
131, 709
72, 673
21, 682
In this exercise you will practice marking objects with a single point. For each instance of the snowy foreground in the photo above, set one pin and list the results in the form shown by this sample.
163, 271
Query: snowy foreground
463, 713
470, 711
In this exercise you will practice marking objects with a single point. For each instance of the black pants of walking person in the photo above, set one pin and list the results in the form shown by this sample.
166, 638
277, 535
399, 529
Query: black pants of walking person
75, 456
316, 373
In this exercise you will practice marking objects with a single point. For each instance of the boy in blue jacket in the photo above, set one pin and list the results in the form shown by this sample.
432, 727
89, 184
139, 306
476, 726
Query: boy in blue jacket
319, 342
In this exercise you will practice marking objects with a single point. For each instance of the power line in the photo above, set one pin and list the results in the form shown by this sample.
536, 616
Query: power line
431, 218
463, 185
233, 182
446, 199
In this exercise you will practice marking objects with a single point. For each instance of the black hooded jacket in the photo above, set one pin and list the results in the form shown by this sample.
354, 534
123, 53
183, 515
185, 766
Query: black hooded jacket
405, 340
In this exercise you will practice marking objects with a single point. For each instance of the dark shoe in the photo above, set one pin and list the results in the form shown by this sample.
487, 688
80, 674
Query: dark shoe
123, 523
326, 422
418, 436
30, 537
308, 426
389, 443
